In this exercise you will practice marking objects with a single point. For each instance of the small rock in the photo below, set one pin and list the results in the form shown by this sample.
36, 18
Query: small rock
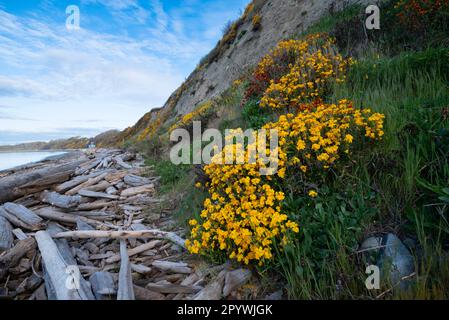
397, 260
371, 248
235, 279
372, 243
276, 296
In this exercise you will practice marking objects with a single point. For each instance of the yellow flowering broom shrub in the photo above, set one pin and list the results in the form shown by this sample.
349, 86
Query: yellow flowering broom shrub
296, 72
203, 110
243, 214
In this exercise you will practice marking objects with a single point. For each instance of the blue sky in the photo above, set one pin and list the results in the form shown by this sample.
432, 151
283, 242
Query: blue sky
126, 58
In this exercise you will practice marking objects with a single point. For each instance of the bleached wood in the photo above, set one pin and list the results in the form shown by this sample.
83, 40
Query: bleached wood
57, 269
66, 186
6, 235
93, 194
149, 188
136, 181
59, 200
12, 257
19, 234
51, 214
97, 205
103, 284
135, 251
154, 234
121, 163
88, 183
17, 222
172, 267
11, 186
125, 282
23, 214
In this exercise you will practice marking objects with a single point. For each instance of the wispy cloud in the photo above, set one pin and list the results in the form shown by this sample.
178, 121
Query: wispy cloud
121, 63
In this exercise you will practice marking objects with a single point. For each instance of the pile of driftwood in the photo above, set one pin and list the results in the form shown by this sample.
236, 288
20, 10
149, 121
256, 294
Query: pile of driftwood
78, 227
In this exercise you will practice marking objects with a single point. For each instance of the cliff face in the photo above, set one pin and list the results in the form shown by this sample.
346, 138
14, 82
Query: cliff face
262, 26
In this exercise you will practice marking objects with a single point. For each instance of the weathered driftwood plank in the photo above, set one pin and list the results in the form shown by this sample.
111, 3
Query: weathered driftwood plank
24, 214
172, 267
151, 234
115, 177
235, 279
111, 190
103, 285
137, 190
82, 225
119, 161
93, 194
19, 234
97, 205
135, 251
136, 181
95, 215
140, 268
10, 186
14, 221
6, 235
12, 257
125, 280
21, 217
87, 166
101, 186
66, 186
63, 281
168, 287
67, 255
214, 290
144, 294
59, 200
88, 183
51, 214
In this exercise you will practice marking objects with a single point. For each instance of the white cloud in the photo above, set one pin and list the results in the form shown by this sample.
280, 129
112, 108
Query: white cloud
61, 77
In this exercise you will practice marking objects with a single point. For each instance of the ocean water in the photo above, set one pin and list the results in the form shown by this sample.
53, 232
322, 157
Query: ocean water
13, 159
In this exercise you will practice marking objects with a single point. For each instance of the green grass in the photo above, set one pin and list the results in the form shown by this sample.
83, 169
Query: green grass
329, 22
171, 175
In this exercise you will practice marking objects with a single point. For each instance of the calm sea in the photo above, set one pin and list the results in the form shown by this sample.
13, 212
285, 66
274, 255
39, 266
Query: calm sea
13, 159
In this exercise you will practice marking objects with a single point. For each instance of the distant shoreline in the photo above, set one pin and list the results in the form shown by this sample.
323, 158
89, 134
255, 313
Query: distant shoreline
38, 150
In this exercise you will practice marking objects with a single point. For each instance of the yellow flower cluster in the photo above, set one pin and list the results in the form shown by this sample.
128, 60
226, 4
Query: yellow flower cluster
243, 214
315, 140
201, 111
308, 67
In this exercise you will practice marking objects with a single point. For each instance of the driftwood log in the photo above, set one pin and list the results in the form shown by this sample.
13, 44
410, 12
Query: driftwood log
149, 188
11, 187
103, 285
66, 186
59, 200
6, 235
154, 234
135, 251
62, 275
21, 217
13, 256
99, 195
125, 280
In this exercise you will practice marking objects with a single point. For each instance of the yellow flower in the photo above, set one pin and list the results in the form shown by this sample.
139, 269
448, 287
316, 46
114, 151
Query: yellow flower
349, 138
313, 194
